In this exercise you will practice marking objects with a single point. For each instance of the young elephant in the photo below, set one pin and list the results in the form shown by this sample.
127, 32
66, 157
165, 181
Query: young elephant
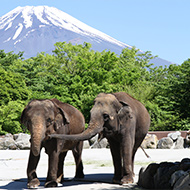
124, 121
50, 116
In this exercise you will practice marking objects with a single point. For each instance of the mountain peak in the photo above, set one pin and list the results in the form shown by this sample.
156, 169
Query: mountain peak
44, 14
35, 29
41, 16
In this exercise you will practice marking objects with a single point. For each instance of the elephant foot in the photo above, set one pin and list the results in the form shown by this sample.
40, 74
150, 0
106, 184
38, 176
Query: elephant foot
116, 180
126, 180
33, 184
51, 184
79, 175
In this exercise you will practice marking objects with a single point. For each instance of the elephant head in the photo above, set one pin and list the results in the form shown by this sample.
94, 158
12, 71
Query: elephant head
42, 118
106, 117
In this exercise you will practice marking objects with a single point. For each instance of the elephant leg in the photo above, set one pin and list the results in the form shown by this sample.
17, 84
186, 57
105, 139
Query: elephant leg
127, 154
133, 158
116, 155
77, 152
138, 141
60, 174
51, 180
33, 181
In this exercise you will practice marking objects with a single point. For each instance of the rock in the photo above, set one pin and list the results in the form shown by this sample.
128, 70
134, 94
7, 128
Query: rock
173, 140
9, 135
174, 136
86, 144
146, 176
187, 140
165, 143
185, 164
102, 144
150, 141
176, 176
179, 144
22, 140
166, 175
13, 142
95, 144
93, 140
183, 181
7, 142
163, 175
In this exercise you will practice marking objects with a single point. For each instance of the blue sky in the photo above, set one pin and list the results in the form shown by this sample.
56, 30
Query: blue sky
159, 26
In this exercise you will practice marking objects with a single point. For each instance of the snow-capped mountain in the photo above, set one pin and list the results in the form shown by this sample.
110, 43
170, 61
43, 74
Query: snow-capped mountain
36, 29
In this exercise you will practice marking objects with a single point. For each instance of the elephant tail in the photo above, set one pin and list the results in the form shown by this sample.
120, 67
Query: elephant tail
145, 152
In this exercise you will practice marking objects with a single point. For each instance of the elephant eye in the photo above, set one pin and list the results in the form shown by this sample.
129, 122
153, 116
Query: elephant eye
49, 121
106, 117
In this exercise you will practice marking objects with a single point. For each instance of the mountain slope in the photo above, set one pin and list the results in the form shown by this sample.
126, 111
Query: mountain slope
36, 29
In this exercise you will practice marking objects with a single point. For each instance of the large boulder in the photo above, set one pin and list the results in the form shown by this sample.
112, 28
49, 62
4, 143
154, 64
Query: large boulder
165, 143
94, 143
146, 176
7, 142
150, 141
180, 180
179, 144
13, 142
173, 140
166, 175
175, 135
22, 140
102, 144
163, 175
93, 140
187, 140
86, 144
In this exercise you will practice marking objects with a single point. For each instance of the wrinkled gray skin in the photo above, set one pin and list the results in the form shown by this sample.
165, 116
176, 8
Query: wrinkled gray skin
45, 117
124, 121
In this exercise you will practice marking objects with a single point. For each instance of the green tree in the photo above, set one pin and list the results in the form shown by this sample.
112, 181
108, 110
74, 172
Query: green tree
12, 87
13, 93
76, 74
10, 117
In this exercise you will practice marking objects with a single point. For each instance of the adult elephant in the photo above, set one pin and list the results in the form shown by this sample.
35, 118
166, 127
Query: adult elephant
124, 121
50, 116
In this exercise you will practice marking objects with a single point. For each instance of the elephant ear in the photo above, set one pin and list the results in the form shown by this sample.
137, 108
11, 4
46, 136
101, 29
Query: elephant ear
125, 112
22, 118
63, 113
58, 122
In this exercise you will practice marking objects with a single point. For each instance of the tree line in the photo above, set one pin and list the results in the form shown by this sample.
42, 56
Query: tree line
76, 74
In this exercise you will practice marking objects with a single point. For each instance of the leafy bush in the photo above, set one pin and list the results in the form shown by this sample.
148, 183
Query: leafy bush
76, 74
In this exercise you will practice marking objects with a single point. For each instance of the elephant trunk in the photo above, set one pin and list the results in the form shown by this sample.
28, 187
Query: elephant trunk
93, 129
37, 135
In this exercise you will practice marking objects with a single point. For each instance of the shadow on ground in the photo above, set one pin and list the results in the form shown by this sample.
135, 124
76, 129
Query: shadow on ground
89, 179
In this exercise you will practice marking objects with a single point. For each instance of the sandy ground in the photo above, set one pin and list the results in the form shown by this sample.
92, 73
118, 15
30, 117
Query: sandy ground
98, 168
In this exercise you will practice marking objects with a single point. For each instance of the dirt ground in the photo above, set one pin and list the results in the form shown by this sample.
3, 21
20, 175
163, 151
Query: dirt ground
98, 168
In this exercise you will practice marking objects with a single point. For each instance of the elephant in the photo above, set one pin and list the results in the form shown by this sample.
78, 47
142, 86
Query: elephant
124, 121
51, 116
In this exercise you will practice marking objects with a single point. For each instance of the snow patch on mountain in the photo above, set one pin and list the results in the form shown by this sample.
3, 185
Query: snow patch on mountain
7, 39
9, 26
18, 31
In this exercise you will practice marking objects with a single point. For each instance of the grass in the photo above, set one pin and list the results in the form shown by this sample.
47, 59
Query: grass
103, 163
97, 163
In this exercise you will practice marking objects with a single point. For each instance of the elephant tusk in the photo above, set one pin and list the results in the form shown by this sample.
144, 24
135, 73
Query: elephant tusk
50, 137
100, 137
